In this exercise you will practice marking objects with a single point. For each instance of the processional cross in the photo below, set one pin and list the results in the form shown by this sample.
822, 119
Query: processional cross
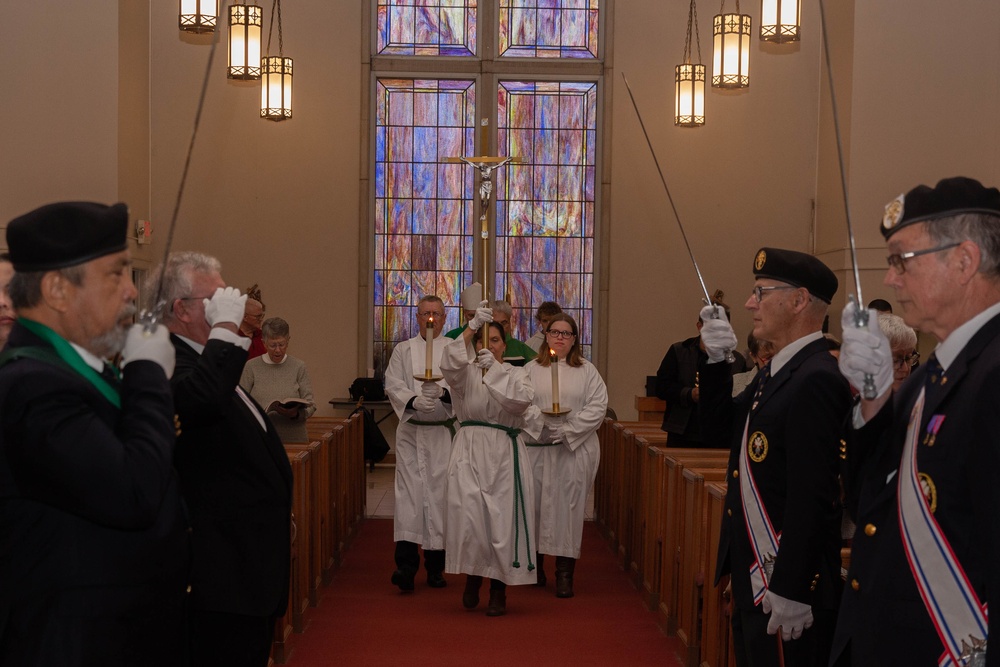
486, 164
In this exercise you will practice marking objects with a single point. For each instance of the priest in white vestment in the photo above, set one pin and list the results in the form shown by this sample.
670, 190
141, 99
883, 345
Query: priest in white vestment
423, 448
490, 493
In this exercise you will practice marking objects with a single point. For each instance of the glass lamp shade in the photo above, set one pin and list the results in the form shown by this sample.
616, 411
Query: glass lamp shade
780, 20
244, 42
197, 16
731, 46
276, 88
689, 95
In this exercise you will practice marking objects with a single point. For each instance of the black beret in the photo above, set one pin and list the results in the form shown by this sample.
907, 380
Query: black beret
950, 197
64, 234
796, 268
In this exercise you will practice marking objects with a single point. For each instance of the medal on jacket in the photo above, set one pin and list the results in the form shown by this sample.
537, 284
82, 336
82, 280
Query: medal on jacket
974, 655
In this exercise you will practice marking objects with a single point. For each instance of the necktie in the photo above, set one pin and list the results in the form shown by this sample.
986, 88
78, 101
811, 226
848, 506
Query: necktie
935, 378
109, 375
765, 373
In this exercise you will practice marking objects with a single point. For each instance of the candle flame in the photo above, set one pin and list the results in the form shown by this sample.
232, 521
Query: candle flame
552, 352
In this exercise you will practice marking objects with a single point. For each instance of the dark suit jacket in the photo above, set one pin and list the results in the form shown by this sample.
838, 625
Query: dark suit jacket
800, 413
94, 550
675, 378
237, 483
884, 620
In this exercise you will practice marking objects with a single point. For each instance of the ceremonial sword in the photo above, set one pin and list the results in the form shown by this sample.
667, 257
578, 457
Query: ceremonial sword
708, 300
151, 317
861, 319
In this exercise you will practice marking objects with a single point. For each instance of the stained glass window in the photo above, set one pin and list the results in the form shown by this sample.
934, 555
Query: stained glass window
423, 206
545, 213
548, 28
426, 27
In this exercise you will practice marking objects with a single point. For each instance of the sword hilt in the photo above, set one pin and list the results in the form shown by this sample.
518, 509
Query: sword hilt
149, 319
869, 391
730, 357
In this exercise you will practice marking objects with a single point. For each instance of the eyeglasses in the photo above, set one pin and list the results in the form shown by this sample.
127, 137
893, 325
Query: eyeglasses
907, 361
898, 260
556, 333
439, 316
758, 291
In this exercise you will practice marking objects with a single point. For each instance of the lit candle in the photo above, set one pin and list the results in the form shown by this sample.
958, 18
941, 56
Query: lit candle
554, 364
429, 340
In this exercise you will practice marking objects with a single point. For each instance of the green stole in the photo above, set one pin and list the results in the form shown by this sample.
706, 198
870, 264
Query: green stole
61, 354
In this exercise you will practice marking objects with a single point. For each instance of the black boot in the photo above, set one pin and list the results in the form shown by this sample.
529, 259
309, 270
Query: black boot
407, 563
434, 564
540, 569
498, 598
470, 598
564, 576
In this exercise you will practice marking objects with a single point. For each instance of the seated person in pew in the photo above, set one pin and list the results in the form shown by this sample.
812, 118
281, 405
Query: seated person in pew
234, 473
423, 448
280, 383
564, 450
780, 536
490, 524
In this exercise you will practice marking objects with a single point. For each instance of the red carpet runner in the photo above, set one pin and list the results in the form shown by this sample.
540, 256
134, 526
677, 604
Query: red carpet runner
362, 619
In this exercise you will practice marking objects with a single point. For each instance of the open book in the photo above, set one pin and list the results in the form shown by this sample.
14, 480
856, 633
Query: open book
288, 404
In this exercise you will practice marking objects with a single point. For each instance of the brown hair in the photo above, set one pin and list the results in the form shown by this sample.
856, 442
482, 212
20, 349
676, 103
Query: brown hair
575, 356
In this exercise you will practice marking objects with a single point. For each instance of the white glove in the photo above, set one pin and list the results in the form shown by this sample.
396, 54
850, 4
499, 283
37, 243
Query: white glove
424, 404
483, 316
716, 333
865, 351
485, 359
226, 305
793, 617
155, 346
431, 390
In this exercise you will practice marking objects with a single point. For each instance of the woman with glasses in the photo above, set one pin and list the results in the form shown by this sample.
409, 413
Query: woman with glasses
903, 343
280, 383
563, 449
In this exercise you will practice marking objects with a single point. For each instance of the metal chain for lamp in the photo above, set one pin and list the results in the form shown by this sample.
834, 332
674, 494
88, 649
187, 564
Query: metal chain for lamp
275, 8
692, 16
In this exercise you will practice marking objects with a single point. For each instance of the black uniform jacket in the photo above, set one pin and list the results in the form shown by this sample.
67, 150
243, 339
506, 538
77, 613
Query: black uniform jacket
882, 617
94, 553
797, 427
237, 482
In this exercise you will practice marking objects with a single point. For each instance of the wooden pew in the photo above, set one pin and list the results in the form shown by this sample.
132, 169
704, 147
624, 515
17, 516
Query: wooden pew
298, 597
628, 487
716, 630
652, 445
605, 473
694, 556
672, 518
317, 508
328, 530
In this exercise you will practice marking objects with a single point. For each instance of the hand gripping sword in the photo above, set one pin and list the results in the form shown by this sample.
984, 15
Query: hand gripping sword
861, 320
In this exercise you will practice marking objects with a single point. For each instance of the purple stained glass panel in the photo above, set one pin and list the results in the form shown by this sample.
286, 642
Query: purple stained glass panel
548, 198
423, 205
549, 28
426, 27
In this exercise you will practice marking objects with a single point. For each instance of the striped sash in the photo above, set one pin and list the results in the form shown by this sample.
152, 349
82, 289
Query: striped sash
763, 538
958, 615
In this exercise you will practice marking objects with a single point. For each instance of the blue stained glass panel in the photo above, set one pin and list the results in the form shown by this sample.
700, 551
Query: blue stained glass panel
549, 28
423, 205
545, 203
426, 27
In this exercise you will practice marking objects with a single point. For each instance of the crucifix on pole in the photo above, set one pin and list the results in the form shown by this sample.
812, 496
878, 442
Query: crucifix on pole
486, 164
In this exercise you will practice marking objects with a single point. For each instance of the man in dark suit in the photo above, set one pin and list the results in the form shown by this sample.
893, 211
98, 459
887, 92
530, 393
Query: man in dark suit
233, 469
924, 461
780, 537
94, 550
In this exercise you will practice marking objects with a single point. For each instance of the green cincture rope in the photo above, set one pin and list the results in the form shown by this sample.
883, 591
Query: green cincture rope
447, 423
518, 491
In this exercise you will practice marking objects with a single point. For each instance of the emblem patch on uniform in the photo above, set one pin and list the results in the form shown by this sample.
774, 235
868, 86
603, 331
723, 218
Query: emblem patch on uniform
757, 447
929, 490
893, 212
758, 262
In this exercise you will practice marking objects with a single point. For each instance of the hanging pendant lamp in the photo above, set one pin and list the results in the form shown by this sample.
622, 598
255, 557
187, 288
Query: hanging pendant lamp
689, 80
276, 77
731, 46
244, 42
780, 20
197, 16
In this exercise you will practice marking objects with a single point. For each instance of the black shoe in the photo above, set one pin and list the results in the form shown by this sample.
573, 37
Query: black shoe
436, 580
498, 603
542, 579
403, 579
470, 598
